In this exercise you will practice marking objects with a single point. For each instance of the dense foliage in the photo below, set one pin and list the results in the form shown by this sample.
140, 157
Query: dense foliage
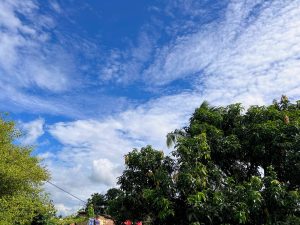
99, 204
95, 204
229, 166
21, 197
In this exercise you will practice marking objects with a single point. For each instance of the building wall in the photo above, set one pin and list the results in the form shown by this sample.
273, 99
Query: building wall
106, 221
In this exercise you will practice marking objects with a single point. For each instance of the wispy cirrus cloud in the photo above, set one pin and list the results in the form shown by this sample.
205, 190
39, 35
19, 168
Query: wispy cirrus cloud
254, 50
27, 56
32, 65
32, 131
43, 68
250, 48
125, 66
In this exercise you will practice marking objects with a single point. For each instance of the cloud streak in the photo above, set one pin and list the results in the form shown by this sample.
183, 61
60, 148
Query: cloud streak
254, 49
34, 69
25, 56
32, 131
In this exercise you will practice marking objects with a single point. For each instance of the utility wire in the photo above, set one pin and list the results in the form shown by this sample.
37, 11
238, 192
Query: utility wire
49, 182
65, 191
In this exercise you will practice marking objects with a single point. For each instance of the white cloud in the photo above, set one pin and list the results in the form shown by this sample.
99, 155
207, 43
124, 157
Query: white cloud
14, 99
54, 4
64, 210
92, 156
46, 155
32, 67
32, 131
124, 67
254, 51
28, 59
104, 171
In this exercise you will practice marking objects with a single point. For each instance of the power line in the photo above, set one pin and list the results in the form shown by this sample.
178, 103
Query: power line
65, 191
49, 182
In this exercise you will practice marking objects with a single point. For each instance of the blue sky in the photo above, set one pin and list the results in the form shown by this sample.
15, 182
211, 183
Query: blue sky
88, 81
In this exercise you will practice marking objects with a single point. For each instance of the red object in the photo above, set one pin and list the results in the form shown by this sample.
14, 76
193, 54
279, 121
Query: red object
139, 223
128, 222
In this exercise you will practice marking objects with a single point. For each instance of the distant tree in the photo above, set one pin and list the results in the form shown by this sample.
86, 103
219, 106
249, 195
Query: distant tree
112, 194
21, 179
90, 211
97, 202
116, 206
109, 204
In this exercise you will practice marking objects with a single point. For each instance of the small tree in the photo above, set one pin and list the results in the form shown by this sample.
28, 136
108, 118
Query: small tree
147, 186
90, 211
97, 202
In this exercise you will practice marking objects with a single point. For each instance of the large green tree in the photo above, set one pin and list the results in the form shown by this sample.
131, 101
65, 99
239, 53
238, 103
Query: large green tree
229, 166
21, 179
240, 167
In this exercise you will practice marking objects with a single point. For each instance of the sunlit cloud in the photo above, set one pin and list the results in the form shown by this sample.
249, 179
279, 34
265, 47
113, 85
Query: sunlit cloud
32, 131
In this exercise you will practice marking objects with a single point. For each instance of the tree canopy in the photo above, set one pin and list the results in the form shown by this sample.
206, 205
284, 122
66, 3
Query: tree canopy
229, 166
21, 179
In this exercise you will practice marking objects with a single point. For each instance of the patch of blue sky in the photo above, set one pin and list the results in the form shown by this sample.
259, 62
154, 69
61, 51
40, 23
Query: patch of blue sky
117, 25
111, 21
47, 144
